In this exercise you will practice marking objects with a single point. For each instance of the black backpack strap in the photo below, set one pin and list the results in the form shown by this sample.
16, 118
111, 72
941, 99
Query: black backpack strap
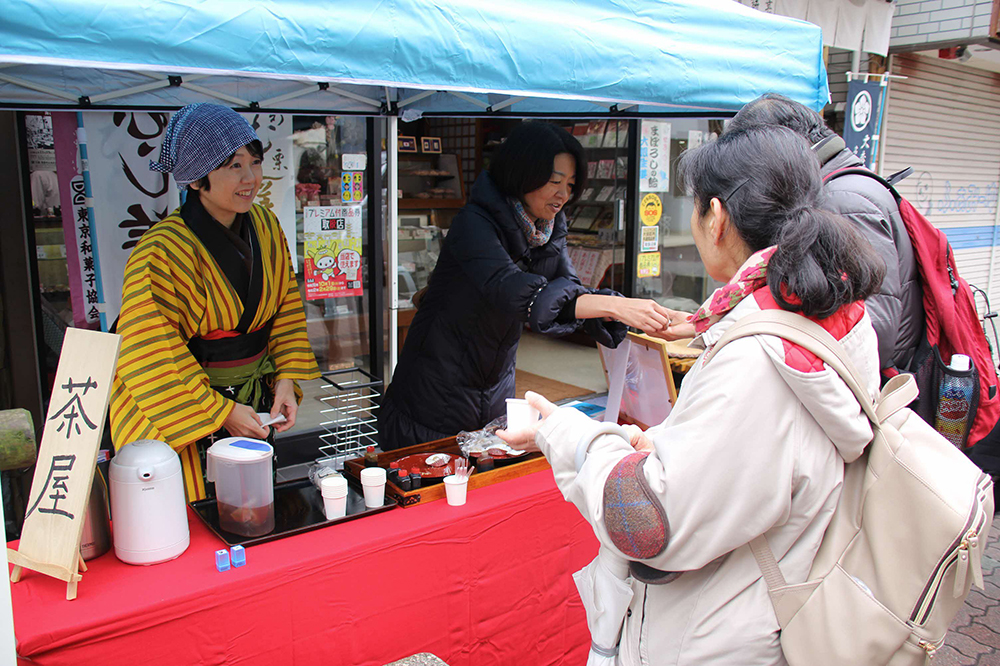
900, 175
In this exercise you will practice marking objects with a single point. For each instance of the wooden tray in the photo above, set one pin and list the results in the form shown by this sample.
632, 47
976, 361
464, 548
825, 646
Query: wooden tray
532, 462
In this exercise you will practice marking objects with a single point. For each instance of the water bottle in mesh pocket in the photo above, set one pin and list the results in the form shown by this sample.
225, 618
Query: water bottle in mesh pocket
948, 398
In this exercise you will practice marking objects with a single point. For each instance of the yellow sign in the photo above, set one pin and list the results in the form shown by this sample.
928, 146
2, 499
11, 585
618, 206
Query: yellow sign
648, 265
650, 209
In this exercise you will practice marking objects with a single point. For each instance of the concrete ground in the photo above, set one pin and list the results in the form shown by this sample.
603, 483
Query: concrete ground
974, 638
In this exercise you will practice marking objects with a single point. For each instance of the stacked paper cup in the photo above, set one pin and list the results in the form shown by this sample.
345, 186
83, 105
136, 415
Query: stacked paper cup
334, 489
373, 481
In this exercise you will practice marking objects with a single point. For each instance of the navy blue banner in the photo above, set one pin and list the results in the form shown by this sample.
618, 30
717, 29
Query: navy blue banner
862, 118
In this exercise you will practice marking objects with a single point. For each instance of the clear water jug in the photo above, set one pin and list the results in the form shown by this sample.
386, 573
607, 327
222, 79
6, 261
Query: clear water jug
241, 470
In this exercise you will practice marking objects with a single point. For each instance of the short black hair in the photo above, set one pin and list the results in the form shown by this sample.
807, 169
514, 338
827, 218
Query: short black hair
523, 162
775, 109
255, 148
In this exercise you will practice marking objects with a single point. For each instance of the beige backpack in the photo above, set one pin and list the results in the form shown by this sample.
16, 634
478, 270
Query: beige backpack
905, 542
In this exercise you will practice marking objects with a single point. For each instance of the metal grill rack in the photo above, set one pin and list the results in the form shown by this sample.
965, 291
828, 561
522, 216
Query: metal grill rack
350, 413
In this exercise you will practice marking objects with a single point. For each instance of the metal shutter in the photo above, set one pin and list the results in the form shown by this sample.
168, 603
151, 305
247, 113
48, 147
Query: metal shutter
944, 122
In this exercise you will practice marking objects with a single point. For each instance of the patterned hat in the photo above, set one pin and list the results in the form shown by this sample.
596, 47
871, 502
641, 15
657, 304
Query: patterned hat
198, 139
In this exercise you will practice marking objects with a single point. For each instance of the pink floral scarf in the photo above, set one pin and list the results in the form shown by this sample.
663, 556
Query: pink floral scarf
751, 276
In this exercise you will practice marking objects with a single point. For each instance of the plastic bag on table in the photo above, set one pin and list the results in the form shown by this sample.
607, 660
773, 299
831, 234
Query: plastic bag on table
485, 439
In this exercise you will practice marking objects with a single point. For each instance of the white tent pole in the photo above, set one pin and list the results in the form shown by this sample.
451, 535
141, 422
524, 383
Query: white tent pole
308, 89
38, 87
155, 85
415, 98
7, 644
392, 210
215, 93
356, 97
469, 98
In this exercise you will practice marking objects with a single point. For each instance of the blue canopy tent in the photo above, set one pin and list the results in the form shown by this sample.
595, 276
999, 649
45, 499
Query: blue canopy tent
589, 58
440, 56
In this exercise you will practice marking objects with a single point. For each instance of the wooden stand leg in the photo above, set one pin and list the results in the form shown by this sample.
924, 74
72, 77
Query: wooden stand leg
15, 575
71, 591
81, 563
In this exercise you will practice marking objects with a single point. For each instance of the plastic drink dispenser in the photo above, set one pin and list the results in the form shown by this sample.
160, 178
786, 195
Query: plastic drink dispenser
241, 470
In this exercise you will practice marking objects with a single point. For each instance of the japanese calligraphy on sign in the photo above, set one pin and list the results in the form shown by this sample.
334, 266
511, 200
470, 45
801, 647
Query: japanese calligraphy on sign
67, 457
333, 251
276, 188
126, 197
654, 156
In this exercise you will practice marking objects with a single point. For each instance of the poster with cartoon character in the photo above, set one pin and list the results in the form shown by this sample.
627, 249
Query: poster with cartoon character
333, 251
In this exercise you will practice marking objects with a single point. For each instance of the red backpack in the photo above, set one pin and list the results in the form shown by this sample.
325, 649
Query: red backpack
962, 405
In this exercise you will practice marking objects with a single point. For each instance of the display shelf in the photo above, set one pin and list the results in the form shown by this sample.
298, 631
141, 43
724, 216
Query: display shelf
350, 414
437, 176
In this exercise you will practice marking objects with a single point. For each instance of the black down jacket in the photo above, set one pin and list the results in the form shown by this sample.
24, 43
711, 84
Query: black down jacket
897, 310
457, 364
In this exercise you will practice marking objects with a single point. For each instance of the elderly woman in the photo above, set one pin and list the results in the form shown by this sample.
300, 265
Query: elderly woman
212, 325
757, 440
503, 263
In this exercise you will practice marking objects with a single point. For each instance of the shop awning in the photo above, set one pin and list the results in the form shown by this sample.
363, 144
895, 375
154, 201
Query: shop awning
451, 57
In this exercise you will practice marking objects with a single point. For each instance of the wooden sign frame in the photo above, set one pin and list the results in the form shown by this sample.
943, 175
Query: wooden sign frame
649, 344
67, 458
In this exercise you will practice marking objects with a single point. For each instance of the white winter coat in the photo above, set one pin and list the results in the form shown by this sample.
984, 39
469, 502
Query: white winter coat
753, 446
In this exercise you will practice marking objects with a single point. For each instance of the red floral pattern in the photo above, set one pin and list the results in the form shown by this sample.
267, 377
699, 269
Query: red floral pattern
751, 276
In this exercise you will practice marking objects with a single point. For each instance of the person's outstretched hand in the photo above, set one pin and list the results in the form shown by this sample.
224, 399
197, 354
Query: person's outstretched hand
677, 328
524, 439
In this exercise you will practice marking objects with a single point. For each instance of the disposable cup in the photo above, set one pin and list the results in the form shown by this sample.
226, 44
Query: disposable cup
335, 507
456, 488
520, 414
373, 482
334, 491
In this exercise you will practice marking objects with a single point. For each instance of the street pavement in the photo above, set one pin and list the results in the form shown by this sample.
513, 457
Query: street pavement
974, 638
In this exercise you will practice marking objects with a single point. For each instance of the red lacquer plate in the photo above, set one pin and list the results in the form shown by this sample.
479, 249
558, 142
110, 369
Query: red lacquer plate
428, 471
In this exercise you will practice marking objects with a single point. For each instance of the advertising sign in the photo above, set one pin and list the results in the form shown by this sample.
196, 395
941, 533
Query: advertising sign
333, 251
654, 156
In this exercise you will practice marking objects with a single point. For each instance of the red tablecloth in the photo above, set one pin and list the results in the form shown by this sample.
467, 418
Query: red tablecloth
483, 584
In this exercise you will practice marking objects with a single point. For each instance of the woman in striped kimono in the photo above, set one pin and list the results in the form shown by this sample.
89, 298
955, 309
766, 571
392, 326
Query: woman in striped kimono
212, 325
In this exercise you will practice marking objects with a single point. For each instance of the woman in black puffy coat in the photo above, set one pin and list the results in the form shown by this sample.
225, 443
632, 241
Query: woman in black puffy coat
503, 263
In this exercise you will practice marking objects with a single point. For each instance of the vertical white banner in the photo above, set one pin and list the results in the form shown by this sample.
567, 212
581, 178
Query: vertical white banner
276, 191
654, 156
127, 197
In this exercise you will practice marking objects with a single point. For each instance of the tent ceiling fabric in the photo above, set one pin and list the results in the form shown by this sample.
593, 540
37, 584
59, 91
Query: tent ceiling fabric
454, 56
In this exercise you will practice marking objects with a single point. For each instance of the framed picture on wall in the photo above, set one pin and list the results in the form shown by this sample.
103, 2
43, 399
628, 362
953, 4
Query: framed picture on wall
430, 144
406, 144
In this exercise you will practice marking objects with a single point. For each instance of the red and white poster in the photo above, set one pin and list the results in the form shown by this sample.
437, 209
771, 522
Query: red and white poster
333, 251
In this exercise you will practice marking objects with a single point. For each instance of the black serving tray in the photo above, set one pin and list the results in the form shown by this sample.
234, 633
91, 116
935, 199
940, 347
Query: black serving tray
298, 507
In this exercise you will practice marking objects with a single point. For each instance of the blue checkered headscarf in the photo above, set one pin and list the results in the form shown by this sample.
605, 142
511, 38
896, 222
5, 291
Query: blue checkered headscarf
198, 139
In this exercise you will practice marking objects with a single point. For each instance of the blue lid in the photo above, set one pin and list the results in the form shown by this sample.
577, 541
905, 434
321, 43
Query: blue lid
251, 444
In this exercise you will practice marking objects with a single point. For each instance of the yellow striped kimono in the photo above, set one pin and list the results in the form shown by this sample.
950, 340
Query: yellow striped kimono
174, 290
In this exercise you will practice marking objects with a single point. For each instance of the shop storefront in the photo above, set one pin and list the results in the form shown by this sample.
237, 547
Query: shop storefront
369, 154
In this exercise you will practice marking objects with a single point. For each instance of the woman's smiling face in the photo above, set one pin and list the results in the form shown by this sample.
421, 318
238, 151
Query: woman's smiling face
547, 200
232, 187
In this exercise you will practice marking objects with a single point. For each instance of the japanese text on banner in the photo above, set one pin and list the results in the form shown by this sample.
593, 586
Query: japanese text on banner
654, 156
333, 251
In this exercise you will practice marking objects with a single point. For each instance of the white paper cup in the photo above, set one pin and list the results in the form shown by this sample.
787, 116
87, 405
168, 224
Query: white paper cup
335, 507
373, 482
456, 488
520, 414
334, 491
